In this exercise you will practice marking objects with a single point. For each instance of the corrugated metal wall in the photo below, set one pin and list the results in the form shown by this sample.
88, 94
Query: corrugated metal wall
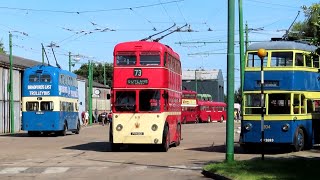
5, 125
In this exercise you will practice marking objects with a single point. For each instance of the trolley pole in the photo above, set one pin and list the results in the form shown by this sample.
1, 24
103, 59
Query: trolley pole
70, 61
230, 82
104, 74
262, 53
90, 91
11, 85
42, 55
196, 80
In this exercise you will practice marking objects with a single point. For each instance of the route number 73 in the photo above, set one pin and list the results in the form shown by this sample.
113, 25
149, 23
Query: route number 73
137, 72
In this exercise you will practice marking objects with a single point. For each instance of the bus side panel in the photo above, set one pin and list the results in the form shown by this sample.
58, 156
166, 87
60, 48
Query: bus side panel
70, 117
273, 131
48, 121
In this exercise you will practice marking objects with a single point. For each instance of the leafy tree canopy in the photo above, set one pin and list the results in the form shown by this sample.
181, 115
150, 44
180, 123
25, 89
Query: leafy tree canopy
309, 29
2, 51
98, 75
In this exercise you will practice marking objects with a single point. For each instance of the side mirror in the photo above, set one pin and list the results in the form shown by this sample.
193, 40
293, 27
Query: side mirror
165, 95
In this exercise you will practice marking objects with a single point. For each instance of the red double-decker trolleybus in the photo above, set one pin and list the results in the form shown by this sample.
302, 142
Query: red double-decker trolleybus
146, 100
189, 112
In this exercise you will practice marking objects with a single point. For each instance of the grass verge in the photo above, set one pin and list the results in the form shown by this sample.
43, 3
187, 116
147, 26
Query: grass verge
280, 168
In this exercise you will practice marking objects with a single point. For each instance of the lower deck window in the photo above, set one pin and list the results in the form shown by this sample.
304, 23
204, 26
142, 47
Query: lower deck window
149, 100
46, 106
32, 106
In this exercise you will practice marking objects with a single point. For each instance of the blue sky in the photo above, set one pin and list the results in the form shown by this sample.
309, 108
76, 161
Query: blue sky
80, 33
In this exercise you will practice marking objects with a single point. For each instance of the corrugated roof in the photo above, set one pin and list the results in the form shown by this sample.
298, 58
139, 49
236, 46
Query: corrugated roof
282, 45
18, 62
201, 74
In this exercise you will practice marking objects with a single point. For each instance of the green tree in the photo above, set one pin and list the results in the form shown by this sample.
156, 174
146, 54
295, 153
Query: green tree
238, 96
308, 29
2, 51
98, 69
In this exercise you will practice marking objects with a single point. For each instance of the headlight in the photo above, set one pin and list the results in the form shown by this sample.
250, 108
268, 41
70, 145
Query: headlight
119, 127
154, 127
248, 126
285, 127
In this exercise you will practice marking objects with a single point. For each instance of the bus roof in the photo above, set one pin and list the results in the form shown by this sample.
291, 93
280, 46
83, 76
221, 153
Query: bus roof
188, 92
282, 45
50, 69
144, 46
203, 103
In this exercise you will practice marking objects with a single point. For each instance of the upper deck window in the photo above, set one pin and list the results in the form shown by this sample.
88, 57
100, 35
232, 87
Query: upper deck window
34, 78
281, 59
189, 96
126, 58
299, 59
125, 101
255, 61
45, 78
150, 58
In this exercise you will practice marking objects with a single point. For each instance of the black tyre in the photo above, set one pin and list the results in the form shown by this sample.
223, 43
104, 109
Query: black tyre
165, 140
221, 119
113, 147
177, 143
197, 120
78, 128
64, 131
33, 133
299, 140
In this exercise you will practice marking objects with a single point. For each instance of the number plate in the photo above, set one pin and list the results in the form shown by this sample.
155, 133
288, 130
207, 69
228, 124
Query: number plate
137, 133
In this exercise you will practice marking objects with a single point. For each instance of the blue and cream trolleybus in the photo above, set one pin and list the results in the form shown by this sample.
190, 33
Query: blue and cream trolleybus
49, 101
292, 95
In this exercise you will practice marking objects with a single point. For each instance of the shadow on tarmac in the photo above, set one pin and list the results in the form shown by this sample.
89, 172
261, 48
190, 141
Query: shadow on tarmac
239, 150
105, 147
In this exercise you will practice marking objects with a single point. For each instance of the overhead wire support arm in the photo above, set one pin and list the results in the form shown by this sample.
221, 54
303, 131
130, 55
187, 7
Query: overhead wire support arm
149, 37
177, 30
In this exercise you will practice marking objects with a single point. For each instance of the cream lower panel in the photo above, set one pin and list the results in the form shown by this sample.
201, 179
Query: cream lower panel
55, 99
137, 123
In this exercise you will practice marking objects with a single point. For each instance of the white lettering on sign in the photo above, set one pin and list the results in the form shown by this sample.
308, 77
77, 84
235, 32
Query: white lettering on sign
39, 87
39, 93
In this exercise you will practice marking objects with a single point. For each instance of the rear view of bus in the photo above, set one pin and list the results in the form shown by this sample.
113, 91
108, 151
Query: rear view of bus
49, 101
146, 96
189, 113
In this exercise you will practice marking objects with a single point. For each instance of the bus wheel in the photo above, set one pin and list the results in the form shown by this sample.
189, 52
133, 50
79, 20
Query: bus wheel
165, 139
209, 119
299, 140
221, 119
197, 120
177, 143
184, 120
78, 128
64, 131
113, 147
33, 133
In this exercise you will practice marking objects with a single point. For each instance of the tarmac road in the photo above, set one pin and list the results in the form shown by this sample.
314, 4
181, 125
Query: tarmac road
87, 155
